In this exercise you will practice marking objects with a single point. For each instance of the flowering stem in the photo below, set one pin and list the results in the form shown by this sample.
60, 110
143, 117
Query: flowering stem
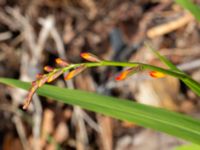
78, 68
127, 64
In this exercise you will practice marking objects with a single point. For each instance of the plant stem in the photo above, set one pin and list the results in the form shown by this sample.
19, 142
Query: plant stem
127, 64
175, 73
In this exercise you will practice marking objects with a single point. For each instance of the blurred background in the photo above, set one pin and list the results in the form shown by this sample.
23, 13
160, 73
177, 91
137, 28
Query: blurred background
35, 32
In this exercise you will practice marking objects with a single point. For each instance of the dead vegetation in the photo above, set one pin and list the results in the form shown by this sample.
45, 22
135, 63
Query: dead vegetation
33, 33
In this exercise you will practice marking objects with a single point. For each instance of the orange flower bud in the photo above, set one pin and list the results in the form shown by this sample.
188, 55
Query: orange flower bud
61, 62
75, 72
39, 76
156, 74
90, 57
122, 75
54, 76
126, 73
48, 68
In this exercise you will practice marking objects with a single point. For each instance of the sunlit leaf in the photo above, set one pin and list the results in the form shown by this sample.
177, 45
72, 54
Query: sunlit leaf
179, 125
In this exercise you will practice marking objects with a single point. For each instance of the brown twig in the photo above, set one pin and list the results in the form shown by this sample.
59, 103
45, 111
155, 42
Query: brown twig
170, 26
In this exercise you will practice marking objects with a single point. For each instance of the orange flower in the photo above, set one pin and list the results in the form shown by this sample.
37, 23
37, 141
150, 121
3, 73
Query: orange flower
156, 74
90, 57
61, 62
75, 72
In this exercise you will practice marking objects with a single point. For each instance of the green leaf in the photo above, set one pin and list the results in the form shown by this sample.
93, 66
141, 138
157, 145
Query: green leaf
195, 10
190, 6
188, 147
176, 124
192, 84
162, 58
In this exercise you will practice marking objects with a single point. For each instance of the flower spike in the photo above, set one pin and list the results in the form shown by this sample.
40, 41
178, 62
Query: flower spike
75, 72
61, 62
35, 85
156, 74
30, 94
90, 57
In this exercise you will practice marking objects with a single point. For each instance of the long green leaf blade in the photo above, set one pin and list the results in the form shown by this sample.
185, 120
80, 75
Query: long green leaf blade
159, 119
188, 147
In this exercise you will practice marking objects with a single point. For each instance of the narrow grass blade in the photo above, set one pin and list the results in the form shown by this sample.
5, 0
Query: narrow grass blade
181, 126
188, 147
193, 85
190, 6
163, 59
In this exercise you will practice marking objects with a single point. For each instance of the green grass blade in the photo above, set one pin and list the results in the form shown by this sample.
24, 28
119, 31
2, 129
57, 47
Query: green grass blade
188, 147
195, 10
193, 85
190, 6
181, 126
174, 68
162, 58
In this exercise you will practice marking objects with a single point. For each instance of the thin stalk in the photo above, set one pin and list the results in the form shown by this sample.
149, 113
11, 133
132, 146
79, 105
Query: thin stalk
127, 64
176, 73
195, 86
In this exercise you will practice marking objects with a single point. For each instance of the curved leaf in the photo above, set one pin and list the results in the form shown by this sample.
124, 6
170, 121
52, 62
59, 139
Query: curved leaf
188, 147
192, 84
